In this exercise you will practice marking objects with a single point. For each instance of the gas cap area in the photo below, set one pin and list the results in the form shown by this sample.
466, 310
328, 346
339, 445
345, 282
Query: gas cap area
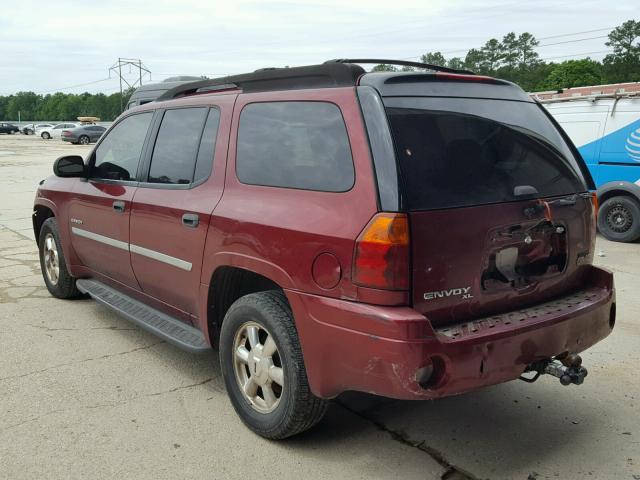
520, 255
326, 271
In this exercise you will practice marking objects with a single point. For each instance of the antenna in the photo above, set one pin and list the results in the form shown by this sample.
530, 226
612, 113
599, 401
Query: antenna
133, 63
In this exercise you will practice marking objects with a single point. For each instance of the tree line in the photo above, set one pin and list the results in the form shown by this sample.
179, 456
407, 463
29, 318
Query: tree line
61, 106
513, 58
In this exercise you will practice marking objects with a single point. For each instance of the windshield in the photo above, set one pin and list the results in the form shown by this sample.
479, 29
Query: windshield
456, 152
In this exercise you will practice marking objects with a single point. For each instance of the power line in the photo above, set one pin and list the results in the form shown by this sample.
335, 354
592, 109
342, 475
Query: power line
537, 46
571, 41
576, 33
577, 54
74, 86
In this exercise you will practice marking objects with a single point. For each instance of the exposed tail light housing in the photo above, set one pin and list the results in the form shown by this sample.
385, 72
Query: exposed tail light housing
381, 257
596, 203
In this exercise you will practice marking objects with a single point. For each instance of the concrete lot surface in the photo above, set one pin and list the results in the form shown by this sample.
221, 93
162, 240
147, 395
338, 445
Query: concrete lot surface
85, 394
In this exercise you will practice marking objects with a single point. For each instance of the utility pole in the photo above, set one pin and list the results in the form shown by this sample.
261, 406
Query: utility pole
133, 63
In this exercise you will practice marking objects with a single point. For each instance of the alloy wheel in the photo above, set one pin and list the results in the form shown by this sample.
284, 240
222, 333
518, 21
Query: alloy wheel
257, 367
51, 259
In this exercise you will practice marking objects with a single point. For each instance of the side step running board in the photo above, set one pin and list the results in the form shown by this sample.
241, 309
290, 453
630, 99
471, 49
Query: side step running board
168, 328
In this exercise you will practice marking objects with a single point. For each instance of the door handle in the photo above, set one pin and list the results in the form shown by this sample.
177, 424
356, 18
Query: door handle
119, 206
190, 220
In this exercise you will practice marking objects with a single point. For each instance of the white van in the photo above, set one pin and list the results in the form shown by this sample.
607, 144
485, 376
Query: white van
606, 130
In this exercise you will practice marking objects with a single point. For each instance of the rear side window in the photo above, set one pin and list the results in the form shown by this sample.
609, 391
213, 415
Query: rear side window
300, 145
118, 155
479, 153
207, 148
174, 154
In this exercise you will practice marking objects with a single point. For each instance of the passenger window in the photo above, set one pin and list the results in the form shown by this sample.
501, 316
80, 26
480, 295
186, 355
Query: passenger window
174, 155
118, 155
294, 145
207, 146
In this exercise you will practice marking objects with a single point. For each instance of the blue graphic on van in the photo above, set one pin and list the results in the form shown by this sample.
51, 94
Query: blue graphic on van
633, 145
621, 146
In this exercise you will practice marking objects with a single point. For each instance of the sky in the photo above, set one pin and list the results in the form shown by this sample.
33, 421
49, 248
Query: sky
69, 45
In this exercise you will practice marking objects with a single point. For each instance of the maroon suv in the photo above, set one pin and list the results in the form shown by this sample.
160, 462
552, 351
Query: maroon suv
412, 235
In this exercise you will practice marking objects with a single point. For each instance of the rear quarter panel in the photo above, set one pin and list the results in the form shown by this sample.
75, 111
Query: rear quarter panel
279, 232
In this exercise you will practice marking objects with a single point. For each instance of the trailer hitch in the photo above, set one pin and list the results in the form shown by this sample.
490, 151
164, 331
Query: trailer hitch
568, 369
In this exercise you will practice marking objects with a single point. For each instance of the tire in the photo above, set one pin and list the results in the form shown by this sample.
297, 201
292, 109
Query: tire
83, 140
619, 219
62, 284
46, 135
293, 407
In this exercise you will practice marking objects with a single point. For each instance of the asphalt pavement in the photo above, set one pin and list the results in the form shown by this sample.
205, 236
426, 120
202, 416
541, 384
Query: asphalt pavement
85, 394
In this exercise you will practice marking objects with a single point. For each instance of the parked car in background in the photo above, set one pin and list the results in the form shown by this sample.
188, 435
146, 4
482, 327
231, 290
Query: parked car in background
413, 235
9, 128
30, 128
606, 130
149, 92
83, 134
56, 131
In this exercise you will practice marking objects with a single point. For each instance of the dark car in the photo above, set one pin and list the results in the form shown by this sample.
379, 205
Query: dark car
8, 128
408, 234
83, 135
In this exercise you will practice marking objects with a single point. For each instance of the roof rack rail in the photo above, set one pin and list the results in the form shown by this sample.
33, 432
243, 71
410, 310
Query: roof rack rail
311, 76
403, 63
588, 98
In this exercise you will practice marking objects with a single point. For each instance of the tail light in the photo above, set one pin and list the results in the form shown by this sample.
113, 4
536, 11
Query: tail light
381, 258
66, 133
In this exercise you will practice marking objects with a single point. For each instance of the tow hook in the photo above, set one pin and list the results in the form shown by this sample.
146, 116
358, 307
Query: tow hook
569, 370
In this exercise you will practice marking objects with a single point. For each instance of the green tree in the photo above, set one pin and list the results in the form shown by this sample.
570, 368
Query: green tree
623, 65
383, 67
434, 58
456, 63
492, 56
509, 50
475, 61
573, 73
24, 103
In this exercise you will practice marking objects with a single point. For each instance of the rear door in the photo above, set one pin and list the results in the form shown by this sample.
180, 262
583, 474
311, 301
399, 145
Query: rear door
498, 202
172, 207
100, 209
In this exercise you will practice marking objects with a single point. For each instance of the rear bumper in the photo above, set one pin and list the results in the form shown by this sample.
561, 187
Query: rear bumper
380, 350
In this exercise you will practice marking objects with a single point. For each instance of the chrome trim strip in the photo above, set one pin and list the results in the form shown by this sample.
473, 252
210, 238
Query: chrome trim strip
161, 257
100, 238
145, 252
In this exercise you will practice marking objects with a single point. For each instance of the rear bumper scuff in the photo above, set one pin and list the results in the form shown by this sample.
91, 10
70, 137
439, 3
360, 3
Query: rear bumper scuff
376, 349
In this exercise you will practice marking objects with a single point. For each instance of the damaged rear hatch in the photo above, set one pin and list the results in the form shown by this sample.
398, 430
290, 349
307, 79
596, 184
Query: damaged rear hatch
498, 199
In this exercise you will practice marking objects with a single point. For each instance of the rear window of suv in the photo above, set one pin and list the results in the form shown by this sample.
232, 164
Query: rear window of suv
301, 145
456, 152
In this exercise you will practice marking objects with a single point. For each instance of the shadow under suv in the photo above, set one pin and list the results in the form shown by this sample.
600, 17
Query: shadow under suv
412, 235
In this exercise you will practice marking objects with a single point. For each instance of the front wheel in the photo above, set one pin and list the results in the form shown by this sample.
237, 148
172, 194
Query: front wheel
619, 219
84, 140
45, 135
263, 369
57, 278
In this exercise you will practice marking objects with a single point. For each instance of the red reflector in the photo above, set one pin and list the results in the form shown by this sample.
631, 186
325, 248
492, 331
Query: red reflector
381, 258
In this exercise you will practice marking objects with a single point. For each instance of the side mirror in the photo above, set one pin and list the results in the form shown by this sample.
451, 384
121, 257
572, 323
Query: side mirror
69, 166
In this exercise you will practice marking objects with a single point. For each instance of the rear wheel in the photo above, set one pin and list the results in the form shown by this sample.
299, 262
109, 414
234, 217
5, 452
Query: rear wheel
84, 140
46, 135
263, 369
54, 269
619, 219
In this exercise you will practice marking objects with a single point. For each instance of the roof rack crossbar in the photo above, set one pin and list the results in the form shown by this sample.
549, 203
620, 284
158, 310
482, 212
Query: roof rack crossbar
403, 63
